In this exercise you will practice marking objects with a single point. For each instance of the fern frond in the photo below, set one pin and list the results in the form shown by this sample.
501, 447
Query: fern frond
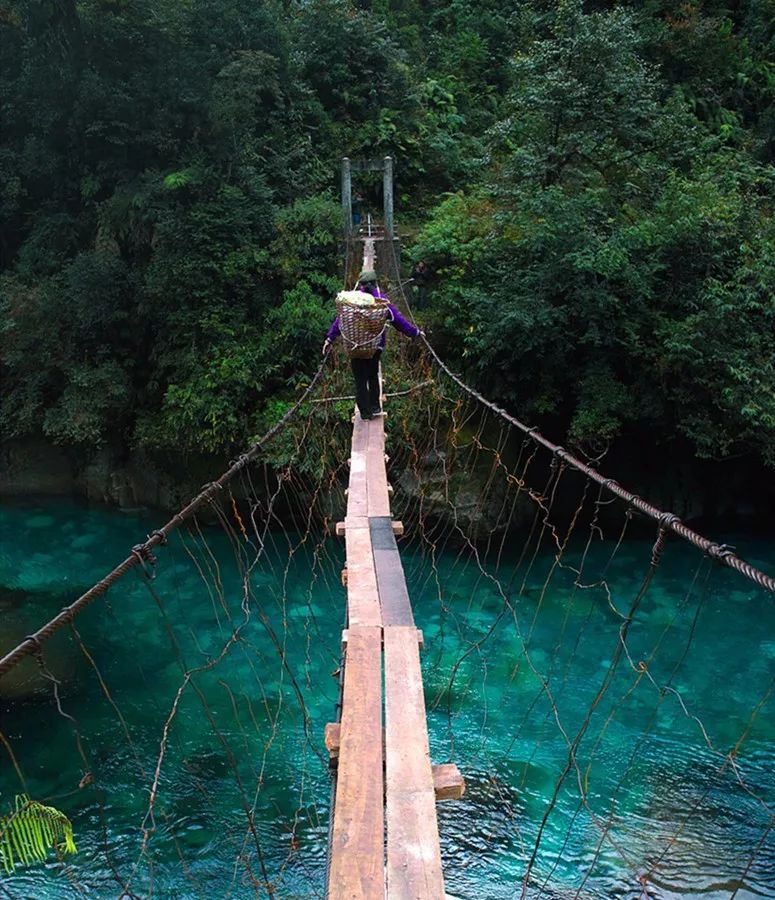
30, 831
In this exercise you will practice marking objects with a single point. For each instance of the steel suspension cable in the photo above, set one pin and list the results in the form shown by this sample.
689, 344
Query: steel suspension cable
719, 552
142, 552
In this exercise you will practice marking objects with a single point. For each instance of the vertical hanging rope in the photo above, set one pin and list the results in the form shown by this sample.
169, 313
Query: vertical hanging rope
721, 553
142, 552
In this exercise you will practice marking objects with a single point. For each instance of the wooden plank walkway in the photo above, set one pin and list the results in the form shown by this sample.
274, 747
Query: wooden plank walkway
413, 855
357, 866
399, 802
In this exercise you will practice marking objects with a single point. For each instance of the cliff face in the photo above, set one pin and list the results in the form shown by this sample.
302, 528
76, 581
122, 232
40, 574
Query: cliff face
693, 489
33, 466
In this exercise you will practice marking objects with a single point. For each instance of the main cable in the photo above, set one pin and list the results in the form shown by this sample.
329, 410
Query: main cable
141, 553
719, 552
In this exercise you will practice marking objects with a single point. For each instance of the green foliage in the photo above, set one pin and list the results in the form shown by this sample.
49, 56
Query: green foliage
294, 328
613, 266
205, 411
30, 830
68, 345
177, 180
353, 65
721, 59
601, 226
309, 234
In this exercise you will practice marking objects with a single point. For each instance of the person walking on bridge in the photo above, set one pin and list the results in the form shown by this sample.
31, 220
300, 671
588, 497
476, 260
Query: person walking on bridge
365, 361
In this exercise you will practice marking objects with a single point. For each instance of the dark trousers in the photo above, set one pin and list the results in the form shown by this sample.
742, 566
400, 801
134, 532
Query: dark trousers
366, 372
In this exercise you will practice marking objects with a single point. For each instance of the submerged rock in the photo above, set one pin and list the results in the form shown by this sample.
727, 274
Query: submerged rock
39, 521
22, 613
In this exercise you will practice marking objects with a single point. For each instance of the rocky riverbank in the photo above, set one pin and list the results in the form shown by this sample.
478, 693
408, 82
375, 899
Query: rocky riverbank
128, 480
695, 490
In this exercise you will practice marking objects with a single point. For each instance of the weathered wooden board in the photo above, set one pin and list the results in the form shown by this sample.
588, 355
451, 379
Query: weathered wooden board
377, 492
360, 441
332, 738
357, 863
413, 855
357, 494
448, 782
357, 498
363, 606
393, 594
376, 473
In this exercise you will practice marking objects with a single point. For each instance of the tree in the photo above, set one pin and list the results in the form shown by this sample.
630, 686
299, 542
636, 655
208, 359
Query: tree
592, 264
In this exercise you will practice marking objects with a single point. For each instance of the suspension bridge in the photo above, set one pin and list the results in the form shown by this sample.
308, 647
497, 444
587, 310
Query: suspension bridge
468, 477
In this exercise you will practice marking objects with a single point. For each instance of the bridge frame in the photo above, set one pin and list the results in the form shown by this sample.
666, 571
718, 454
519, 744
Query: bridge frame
384, 165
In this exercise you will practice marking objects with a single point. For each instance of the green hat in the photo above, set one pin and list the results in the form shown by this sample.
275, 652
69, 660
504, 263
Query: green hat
367, 276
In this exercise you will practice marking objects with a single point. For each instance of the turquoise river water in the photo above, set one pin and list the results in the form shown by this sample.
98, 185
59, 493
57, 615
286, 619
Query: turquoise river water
650, 803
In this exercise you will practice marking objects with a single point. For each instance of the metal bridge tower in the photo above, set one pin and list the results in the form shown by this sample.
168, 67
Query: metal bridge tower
388, 255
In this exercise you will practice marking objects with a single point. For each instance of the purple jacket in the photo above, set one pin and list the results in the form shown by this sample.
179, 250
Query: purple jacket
396, 320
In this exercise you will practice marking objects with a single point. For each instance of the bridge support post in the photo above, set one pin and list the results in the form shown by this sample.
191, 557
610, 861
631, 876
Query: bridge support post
347, 198
387, 194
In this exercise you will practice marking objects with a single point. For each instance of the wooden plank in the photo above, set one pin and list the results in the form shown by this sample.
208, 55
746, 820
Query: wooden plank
355, 522
357, 496
378, 498
377, 434
356, 491
377, 439
393, 594
360, 440
376, 473
340, 529
382, 537
448, 783
332, 738
357, 499
357, 839
363, 606
358, 459
413, 855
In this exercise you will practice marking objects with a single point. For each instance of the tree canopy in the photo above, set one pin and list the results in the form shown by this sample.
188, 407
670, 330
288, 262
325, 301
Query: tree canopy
591, 184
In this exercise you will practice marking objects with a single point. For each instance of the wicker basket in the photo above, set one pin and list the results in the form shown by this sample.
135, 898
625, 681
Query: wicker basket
362, 326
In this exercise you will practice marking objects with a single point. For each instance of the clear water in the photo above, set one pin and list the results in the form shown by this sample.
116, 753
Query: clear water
667, 814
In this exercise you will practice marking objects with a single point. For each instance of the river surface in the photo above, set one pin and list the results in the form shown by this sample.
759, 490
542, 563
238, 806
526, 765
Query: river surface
605, 774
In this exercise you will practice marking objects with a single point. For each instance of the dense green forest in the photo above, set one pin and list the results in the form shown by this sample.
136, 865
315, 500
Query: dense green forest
590, 183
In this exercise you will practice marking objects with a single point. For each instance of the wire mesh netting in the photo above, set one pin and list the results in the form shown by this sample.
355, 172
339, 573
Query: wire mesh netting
606, 689
614, 730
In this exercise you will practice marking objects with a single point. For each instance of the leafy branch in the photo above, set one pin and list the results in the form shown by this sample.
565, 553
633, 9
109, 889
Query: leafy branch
30, 831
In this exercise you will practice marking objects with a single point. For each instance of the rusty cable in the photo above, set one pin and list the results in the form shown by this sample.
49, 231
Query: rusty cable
722, 553
142, 552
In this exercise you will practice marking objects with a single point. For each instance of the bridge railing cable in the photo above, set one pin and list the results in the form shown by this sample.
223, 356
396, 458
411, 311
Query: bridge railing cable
142, 553
722, 553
